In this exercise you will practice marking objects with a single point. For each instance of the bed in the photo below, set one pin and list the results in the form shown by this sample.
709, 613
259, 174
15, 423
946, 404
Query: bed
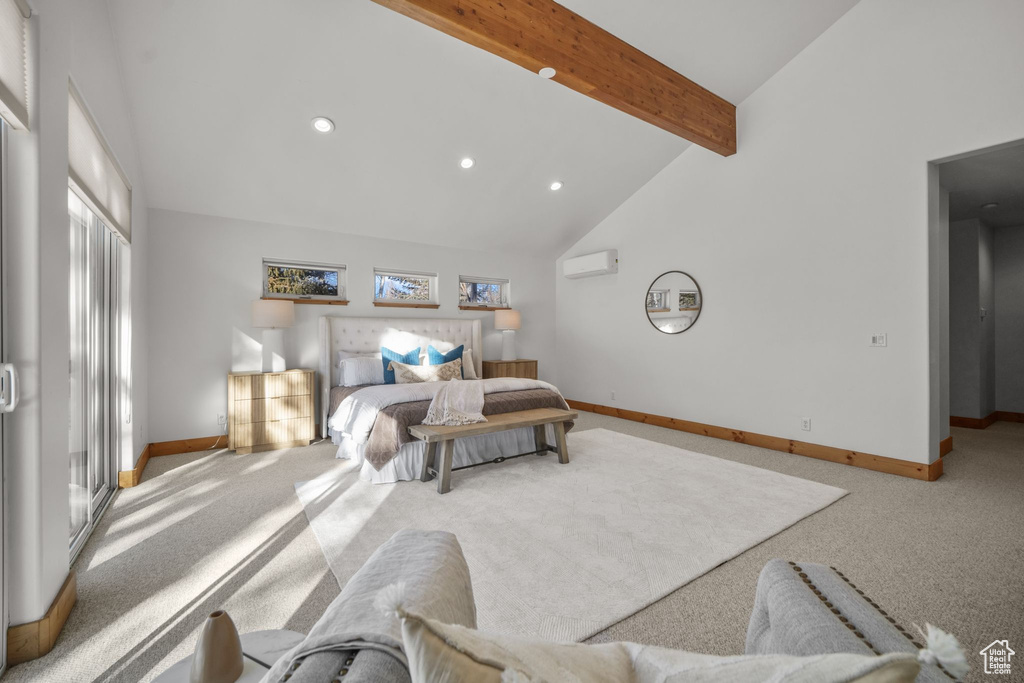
369, 424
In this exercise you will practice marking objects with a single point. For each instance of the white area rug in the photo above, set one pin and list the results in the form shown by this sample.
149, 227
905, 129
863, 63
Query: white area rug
564, 551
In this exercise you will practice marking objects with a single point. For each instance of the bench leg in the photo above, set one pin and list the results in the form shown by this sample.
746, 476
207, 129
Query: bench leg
540, 438
563, 449
444, 472
428, 461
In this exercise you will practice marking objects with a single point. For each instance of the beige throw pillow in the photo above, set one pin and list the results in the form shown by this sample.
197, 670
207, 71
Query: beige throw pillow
410, 374
444, 653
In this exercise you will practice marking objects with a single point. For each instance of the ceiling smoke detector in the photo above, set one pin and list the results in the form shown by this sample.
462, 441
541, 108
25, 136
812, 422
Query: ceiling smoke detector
547, 72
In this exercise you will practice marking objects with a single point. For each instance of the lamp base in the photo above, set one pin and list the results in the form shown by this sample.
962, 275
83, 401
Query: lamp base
508, 345
273, 351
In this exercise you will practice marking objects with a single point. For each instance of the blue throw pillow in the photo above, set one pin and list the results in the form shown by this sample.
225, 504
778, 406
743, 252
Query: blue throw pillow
435, 357
387, 355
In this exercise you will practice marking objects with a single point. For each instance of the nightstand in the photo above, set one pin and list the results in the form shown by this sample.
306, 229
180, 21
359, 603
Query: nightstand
526, 369
268, 410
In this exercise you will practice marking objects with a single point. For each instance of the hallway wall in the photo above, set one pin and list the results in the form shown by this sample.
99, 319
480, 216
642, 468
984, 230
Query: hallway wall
1009, 321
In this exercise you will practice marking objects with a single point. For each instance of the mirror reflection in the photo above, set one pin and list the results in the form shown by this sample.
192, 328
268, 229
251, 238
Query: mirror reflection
673, 302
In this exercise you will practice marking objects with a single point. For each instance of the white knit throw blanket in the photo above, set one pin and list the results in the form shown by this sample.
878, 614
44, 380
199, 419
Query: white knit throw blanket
457, 403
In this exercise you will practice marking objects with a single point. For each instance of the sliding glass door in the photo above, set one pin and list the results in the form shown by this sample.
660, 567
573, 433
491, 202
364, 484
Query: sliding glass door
95, 332
6, 398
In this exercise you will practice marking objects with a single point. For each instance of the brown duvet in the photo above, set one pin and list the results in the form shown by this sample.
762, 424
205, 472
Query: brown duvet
391, 429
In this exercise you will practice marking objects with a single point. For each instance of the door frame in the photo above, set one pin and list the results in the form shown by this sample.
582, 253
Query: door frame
938, 293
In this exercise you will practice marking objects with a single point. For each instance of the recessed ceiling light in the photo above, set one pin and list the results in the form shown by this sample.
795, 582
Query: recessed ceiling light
990, 205
467, 163
557, 185
547, 72
322, 124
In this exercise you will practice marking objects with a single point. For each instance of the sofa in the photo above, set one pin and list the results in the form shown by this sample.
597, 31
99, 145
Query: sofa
800, 609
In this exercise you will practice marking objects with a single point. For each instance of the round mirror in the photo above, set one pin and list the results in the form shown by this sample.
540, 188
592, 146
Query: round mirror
673, 302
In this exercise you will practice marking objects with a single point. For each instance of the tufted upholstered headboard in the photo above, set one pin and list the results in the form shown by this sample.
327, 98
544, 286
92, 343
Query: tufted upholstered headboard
367, 335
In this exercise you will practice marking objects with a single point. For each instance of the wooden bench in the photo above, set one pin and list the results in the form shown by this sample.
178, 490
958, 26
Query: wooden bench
445, 436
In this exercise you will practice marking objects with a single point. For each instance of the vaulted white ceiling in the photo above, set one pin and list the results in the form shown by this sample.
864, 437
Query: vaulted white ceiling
222, 93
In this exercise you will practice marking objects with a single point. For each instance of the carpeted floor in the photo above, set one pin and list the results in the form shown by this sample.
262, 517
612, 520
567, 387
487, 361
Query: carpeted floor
211, 530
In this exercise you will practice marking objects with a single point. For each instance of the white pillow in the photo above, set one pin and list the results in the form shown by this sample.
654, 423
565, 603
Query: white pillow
444, 653
468, 368
342, 355
359, 370
411, 374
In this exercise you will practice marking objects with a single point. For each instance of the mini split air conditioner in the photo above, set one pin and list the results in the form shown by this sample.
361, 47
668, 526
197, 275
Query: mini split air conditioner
601, 263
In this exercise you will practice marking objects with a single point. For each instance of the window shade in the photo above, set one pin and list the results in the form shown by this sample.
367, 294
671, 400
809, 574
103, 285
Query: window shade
401, 273
483, 280
14, 16
94, 173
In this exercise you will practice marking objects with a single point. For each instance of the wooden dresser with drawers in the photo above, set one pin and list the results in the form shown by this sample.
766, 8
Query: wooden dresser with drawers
268, 410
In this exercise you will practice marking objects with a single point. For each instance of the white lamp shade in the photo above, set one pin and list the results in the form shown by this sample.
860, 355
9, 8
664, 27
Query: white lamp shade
507, 319
273, 313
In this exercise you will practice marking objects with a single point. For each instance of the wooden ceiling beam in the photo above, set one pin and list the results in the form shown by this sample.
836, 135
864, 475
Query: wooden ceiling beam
541, 33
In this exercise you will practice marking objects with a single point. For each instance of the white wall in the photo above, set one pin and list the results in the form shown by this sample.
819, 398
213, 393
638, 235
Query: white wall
1009, 334
71, 39
826, 208
209, 271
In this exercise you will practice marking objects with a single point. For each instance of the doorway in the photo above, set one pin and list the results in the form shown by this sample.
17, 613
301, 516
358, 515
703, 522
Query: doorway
978, 261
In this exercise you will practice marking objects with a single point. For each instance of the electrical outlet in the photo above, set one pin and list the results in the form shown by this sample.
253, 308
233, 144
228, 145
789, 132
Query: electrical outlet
878, 339
222, 419
805, 424
613, 395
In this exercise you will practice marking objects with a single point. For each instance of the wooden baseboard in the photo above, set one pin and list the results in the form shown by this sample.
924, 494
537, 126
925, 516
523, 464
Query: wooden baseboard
878, 463
203, 443
945, 446
973, 422
987, 421
129, 478
26, 642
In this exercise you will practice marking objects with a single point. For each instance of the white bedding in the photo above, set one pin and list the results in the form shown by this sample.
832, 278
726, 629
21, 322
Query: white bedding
353, 420
355, 416
471, 450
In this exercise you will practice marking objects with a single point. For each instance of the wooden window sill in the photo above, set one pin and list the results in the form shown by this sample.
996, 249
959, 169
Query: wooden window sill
402, 304
484, 308
659, 310
296, 300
